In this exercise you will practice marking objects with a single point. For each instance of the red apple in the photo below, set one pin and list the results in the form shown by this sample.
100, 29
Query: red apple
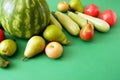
54, 50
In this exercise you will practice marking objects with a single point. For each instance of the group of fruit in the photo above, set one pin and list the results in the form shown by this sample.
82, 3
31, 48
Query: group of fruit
83, 21
8, 48
38, 19
37, 44
28, 24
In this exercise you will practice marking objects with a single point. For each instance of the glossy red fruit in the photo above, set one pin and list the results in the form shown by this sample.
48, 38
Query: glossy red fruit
87, 32
2, 36
92, 10
109, 16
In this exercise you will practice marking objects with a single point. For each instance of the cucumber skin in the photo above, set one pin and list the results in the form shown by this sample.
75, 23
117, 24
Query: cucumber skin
78, 19
71, 26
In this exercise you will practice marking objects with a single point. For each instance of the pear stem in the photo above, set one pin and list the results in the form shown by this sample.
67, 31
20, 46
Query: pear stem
23, 59
87, 22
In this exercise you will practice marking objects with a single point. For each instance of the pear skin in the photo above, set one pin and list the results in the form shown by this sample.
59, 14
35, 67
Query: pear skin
8, 47
35, 45
76, 5
87, 32
53, 33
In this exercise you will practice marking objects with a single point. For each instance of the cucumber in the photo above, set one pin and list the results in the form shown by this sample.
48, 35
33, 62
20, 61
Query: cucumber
54, 21
71, 26
99, 24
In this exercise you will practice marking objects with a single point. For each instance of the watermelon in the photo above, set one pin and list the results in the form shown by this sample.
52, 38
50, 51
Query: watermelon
24, 18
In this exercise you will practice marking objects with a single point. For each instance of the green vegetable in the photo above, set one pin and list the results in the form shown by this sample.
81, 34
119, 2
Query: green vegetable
3, 62
24, 18
78, 19
68, 23
99, 24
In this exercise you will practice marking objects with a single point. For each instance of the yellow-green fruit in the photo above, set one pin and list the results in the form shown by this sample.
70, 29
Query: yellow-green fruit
76, 5
53, 33
35, 45
8, 47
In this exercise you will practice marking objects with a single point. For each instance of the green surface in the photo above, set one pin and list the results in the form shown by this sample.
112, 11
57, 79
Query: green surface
98, 59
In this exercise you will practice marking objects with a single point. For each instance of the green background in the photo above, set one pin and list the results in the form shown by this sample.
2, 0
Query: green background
98, 59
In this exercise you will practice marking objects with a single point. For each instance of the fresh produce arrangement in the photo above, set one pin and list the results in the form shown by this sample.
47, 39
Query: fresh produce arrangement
44, 28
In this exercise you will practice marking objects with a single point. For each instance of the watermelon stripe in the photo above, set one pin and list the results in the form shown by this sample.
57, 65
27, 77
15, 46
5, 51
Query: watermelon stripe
24, 18
47, 12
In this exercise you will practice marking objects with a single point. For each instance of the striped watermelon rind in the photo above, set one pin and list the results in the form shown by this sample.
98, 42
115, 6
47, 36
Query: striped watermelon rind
24, 18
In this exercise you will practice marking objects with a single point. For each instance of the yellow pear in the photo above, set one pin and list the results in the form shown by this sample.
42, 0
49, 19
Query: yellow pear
76, 5
35, 45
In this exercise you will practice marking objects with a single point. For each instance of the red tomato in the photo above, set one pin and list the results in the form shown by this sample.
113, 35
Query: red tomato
109, 16
92, 10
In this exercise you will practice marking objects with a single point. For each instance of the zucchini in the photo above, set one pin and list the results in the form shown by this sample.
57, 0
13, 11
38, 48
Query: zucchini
71, 26
54, 21
78, 19
99, 24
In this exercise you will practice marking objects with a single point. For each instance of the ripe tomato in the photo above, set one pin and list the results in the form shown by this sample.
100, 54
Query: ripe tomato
109, 16
92, 10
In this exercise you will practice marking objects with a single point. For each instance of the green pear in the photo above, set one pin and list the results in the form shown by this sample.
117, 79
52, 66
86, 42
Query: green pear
35, 45
53, 33
76, 5
8, 47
